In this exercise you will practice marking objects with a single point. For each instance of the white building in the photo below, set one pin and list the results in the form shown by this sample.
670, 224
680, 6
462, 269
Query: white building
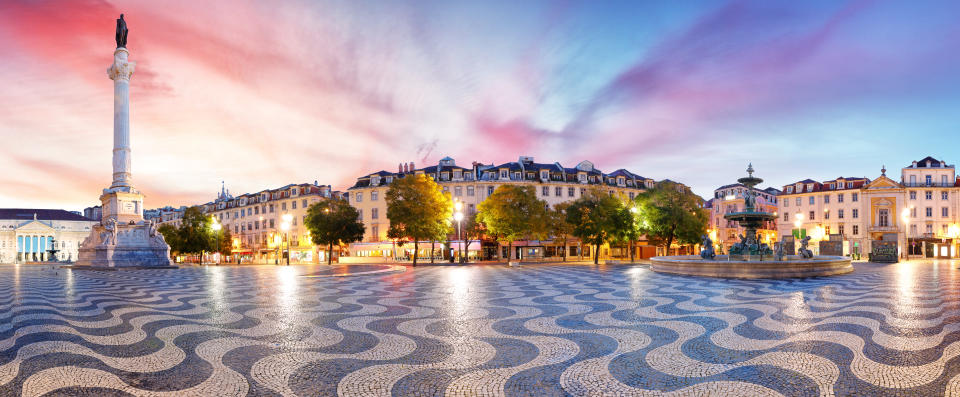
26, 234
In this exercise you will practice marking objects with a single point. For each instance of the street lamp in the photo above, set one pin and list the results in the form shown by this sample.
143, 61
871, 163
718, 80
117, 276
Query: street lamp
285, 226
905, 216
458, 216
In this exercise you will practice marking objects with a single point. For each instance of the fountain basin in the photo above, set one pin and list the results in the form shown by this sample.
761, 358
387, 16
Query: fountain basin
792, 266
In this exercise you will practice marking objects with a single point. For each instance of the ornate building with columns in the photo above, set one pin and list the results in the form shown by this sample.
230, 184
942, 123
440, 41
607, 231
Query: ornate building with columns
27, 235
919, 211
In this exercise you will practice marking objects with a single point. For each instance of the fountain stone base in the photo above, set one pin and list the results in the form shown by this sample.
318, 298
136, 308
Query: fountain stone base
727, 267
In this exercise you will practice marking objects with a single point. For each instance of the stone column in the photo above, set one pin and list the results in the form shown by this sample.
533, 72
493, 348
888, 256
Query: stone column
120, 72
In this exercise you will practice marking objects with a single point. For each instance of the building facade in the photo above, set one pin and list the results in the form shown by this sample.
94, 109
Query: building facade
255, 222
552, 182
27, 235
919, 211
728, 199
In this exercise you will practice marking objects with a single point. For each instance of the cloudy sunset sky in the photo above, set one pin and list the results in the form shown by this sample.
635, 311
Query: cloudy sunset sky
261, 94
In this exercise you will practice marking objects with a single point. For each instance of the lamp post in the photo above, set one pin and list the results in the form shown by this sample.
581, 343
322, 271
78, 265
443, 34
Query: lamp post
458, 216
285, 226
905, 216
633, 222
216, 229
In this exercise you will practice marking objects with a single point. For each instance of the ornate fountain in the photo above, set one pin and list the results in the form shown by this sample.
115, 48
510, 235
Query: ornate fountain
749, 258
749, 247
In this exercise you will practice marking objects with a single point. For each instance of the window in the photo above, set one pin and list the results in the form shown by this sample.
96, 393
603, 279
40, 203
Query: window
375, 232
786, 203
883, 217
786, 216
256, 210
470, 208
457, 191
503, 174
293, 204
913, 230
943, 180
928, 179
856, 230
840, 214
570, 191
558, 191
631, 196
826, 214
256, 225
928, 194
929, 212
913, 212
470, 191
374, 213
489, 190
283, 206
943, 195
855, 214
294, 221
929, 229
798, 201
374, 195
545, 191
789, 189
813, 215
826, 199
582, 178
840, 229
854, 197
944, 211
913, 195
813, 200
360, 214
840, 198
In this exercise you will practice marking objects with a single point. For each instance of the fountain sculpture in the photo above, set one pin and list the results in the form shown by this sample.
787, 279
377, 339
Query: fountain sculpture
749, 258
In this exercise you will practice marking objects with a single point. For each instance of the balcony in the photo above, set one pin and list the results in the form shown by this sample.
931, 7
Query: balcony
883, 229
924, 184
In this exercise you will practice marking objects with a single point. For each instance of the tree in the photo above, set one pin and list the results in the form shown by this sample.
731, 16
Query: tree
596, 217
226, 242
557, 225
471, 228
172, 236
418, 210
513, 212
671, 212
333, 221
195, 234
629, 231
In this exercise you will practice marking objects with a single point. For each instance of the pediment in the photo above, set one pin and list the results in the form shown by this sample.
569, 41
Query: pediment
34, 227
884, 183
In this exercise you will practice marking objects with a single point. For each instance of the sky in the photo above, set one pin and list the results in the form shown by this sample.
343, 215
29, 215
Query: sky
261, 94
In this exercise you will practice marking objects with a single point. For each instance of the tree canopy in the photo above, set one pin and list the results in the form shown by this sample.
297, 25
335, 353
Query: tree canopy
671, 212
418, 210
333, 222
597, 217
557, 225
513, 212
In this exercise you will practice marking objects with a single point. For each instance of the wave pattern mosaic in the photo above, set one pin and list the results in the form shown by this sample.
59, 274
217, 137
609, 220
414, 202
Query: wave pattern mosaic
487, 330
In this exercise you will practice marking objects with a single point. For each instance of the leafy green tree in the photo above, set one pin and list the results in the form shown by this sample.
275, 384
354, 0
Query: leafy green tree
671, 212
471, 229
172, 236
629, 231
333, 221
418, 210
596, 218
195, 233
513, 212
558, 227
226, 242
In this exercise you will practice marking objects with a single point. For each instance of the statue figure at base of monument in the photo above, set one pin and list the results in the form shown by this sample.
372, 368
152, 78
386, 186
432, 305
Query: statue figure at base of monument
707, 251
778, 253
803, 251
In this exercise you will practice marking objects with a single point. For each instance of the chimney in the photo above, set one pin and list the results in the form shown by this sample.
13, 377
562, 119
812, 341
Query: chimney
400, 168
412, 167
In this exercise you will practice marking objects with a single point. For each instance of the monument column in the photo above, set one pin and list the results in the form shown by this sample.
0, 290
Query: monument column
120, 72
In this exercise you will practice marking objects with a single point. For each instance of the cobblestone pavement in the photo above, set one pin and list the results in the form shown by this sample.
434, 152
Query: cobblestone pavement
484, 330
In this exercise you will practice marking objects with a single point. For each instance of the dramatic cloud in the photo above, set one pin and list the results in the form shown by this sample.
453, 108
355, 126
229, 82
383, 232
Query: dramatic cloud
264, 94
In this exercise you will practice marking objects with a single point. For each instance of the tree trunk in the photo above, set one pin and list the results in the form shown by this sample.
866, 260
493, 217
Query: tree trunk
509, 251
669, 242
432, 253
330, 255
596, 253
564, 250
631, 251
415, 250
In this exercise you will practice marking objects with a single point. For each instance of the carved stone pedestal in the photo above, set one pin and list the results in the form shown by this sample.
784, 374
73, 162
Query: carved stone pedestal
115, 245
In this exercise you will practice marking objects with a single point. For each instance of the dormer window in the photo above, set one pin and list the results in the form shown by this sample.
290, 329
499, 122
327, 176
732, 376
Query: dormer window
389, 179
789, 189
809, 187
516, 176
504, 174
375, 180
582, 177
263, 197
444, 176
457, 174
294, 192
544, 175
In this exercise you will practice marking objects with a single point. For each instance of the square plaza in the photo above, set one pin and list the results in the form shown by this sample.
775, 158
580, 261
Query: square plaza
544, 330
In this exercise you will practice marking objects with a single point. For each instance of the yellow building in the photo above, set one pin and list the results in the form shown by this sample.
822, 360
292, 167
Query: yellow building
553, 183
919, 211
